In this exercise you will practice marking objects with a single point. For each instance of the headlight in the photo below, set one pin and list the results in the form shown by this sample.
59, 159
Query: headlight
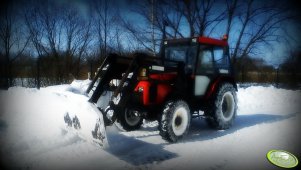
143, 72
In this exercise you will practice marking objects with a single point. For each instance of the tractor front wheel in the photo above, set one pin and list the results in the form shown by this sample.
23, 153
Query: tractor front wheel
130, 120
175, 121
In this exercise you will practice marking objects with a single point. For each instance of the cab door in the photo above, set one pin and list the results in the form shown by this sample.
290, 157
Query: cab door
204, 70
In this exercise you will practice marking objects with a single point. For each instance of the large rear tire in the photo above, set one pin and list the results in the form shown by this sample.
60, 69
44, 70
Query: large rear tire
130, 120
222, 110
175, 121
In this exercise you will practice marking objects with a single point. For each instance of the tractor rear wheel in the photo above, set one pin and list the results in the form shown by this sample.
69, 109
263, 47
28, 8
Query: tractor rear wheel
222, 110
175, 121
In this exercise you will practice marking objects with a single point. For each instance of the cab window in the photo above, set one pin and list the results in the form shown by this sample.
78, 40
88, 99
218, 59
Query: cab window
186, 54
205, 61
220, 59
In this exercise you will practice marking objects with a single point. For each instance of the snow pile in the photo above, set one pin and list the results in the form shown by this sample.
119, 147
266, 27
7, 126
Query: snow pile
77, 86
34, 135
258, 99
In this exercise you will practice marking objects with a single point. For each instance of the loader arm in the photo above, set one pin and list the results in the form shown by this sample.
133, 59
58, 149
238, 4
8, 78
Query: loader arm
98, 75
120, 67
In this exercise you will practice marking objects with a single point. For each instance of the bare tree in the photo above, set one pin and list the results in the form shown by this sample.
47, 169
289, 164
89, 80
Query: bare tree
139, 35
13, 38
104, 18
197, 17
78, 38
257, 25
201, 15
156, 15
45, 27
231, 10
83, 50
118, 39
60, 33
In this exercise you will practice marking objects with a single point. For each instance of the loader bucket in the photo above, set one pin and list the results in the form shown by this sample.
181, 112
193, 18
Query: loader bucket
98, 134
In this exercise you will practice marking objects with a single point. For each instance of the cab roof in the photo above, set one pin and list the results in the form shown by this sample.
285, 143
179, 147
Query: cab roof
200, 39
212, 41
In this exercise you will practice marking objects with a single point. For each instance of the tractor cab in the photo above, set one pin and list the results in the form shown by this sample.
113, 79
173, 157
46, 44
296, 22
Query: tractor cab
204, 59
200, 55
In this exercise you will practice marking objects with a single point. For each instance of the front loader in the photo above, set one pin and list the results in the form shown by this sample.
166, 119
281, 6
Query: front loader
191, 75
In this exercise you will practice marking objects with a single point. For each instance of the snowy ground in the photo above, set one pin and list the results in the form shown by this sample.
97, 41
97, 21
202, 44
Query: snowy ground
33, 134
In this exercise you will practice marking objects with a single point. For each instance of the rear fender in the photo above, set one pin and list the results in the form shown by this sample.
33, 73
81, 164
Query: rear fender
213, 87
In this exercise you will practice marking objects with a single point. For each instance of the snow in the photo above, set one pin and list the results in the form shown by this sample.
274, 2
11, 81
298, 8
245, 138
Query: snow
268, 100
33, 134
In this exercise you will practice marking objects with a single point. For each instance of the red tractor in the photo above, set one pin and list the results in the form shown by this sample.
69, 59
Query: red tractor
191, 75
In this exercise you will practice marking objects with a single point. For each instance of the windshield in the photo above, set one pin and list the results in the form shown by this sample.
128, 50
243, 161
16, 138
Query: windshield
186, 54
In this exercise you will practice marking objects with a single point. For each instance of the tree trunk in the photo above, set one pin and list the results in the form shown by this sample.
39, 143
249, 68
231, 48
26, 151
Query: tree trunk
10, 75
38, 74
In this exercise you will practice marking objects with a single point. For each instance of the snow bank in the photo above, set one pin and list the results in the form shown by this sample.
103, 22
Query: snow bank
258, 99
77, 86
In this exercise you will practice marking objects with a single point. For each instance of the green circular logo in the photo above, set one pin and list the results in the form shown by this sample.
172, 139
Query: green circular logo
282, 159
